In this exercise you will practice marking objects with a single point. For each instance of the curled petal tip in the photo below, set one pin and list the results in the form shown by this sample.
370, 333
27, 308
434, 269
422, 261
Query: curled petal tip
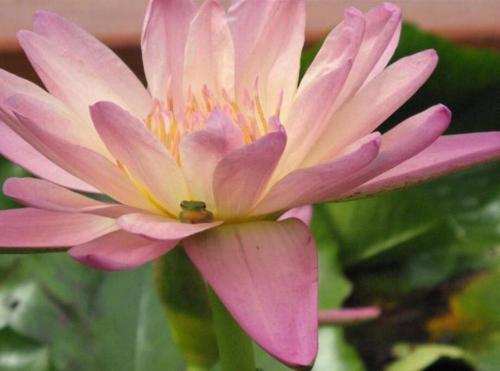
444, 110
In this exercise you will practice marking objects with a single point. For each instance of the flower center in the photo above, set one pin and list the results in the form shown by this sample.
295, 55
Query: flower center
170, 126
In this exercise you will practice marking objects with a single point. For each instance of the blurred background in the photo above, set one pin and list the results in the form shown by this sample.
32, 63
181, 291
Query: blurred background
428, 256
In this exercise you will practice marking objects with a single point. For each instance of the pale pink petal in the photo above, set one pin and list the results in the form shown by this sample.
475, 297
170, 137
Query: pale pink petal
81, 162
391, 45
201, 151
447, 154
141, 153
268, 39
318, 183
303, 213
340, 45
78, 69
19, 151
317, 95
32, 228
382, 24
57, 120
405, 141
49, 196
120, 251
266, 275
308, 116
373, 104
164, 38
241, 176
209, 55
161, 228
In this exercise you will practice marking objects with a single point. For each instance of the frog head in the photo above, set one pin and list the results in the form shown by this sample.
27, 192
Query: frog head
195, 212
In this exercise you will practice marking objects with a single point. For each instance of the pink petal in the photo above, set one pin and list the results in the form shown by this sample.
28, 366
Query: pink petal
241, 176
120, 251
386, 29
318, 183
303, 213
142, 154
164, 38
209, 55
373, 104
382, 24
309, 115
447, 154
405, 141
78, 69
19, 151
41, 194
266, 275
32, 228
161, 228
268, 38
201, 151
341, 44
58, 120
81, 162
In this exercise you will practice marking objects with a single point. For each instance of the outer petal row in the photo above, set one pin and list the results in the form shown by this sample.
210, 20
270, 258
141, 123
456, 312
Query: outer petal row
21, 152
448, 154
373, 104
81, 162
78, 69
34, 228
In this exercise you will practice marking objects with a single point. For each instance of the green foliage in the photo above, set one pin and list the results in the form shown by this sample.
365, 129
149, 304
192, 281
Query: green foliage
473, 321
423, 357
81, 319
184, 295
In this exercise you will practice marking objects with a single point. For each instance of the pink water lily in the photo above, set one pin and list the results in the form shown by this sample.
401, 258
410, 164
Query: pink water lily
225, 130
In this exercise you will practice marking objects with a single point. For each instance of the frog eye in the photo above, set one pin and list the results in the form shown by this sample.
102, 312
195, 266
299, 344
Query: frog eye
193, 205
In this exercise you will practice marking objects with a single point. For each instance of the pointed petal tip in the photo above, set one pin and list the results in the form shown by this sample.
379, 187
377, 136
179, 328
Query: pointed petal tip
42, 14
24, 37
392, 8
352, 12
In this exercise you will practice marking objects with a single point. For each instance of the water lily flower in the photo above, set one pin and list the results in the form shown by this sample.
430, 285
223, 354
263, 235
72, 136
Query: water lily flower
224, 150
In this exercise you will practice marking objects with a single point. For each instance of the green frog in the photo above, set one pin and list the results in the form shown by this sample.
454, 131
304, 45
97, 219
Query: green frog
194, 212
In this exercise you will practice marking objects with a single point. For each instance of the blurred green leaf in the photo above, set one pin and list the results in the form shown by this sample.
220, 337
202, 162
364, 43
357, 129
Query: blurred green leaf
184, 296
473, 321
335, 354
333, 286
466, 79
86, 319
425, 357
18, 353
421, 236
7, 170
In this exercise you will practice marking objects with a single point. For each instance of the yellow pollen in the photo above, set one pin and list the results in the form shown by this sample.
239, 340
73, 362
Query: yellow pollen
170, 126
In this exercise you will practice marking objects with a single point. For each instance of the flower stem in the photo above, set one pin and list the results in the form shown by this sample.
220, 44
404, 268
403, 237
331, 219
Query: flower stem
235, 347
